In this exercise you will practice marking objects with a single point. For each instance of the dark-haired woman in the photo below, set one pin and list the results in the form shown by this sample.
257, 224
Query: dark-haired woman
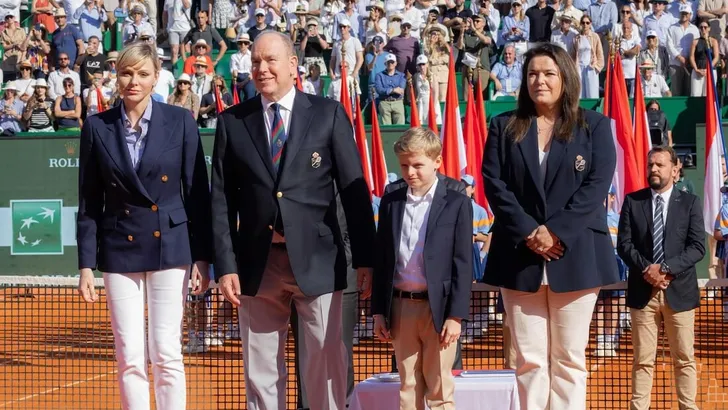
547, 168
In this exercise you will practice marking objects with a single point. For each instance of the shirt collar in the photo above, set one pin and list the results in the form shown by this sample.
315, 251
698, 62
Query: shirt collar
146, 116
286, 102
665, 195
427, 197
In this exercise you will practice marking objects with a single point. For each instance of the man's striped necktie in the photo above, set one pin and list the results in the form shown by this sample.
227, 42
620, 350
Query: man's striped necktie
278, 136
658, 232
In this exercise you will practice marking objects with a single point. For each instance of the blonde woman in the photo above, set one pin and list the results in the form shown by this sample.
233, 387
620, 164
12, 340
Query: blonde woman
143, 221
589, 57
182, 96
422, 82
438, 54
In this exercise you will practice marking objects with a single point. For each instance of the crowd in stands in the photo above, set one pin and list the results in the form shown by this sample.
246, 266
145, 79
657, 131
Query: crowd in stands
55, 72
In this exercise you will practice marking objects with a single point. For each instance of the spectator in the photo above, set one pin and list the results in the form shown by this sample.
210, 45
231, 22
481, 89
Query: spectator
629, 49
455, 19
540, 17
201, 81
90, 63
568, 10
657, 121
414, 15
423, 86
243, 11
24, 84
221, 12
640, 10
306, 86
515, 29
273, 10
699, 59
715, 11
477, 43
68, 107
42, 11
95, 90
507, 75
653, 85
260, 24
313, 45
438, 53
677, 6
314, 80
208, 105
659, 20
201, 53
349, 49
394, 25
376, 59
604, 16
390, 85
376, 24
334, 91
184, 97
589, 57
11, 108
165, 82
67, 39
241, 67
433, 17
582, 5
176, 19
133, 30
69, 8
349, 15
56, 86
626, 12
207, 33
679, 41
110, 72
564, 36
38, 114
656, 54
91, 16
37, 50
492, 17
149, 10
406, 48
327, 14
13, 41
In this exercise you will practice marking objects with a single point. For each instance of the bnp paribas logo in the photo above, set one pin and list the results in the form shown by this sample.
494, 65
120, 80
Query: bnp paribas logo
36, 227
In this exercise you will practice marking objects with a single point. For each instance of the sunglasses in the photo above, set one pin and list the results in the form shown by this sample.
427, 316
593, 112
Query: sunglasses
626, 12
24, 68
65, 85
516, 5
63, 59
586, 23
704, 26
183, 83
391, 62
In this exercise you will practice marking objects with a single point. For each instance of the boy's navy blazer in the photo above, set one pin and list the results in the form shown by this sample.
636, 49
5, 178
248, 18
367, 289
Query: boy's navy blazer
154, 218
448, 253
570, 204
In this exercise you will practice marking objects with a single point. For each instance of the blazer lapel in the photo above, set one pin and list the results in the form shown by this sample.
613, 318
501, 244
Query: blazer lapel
647, 209
255, 123
529, 150
553, 162
673, 209
298, 129
115, 144
397, 214
159, 133
438, 204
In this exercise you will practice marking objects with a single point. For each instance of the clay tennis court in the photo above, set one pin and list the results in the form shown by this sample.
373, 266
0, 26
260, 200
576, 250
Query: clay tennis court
57, 352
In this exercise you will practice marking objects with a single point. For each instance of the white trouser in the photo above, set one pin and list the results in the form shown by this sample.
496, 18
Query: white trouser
697, 84
165, 293
589, 82
550, 332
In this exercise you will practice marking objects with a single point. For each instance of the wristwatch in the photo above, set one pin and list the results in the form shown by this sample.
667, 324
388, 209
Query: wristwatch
664, 268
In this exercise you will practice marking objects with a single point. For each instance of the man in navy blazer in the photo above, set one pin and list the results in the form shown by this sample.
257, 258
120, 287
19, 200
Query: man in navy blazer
276, 159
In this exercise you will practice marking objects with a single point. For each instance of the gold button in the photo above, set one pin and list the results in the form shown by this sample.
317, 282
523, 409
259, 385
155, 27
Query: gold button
126, 211
165, 178
270, 227
130, 238
157, 234
279, 194
155, 208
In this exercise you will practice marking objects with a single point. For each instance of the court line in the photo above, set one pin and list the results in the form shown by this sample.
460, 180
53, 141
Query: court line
98, 376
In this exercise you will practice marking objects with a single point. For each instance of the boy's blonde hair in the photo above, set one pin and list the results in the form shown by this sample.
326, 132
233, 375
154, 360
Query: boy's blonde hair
419, 140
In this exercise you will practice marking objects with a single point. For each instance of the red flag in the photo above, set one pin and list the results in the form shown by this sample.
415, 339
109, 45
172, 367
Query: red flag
480, 114
379, 166
100, 99
642, 142
361, 145
236, 96
626, 176
431, 113
414, 113
218, 100
451, 134
299, 81
714, 149
607, 88
471, 134
345, 99
482, 137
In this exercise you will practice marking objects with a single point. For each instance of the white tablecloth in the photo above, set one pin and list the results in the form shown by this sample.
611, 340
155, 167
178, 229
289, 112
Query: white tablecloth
486, 392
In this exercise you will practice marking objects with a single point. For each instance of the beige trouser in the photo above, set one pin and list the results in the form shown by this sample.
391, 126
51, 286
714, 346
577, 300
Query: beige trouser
264, 330
550, 332
391, 112
425, 370
679, 328
478, 72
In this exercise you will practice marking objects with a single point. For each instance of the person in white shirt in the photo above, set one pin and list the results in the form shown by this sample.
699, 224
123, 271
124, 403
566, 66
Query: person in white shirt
567, 9
416, 16
201, 82
679, 40
659, 21
626, 13
55, 78
91, 95
166, 79
492, 18
353, 51
564, 36
675, 8
653, 85
629, 49
240, 67
176, 17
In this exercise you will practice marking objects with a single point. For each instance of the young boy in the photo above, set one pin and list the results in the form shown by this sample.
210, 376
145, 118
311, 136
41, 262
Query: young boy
423, 273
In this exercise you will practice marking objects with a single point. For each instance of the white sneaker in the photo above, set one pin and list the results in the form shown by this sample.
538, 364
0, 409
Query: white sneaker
195, 345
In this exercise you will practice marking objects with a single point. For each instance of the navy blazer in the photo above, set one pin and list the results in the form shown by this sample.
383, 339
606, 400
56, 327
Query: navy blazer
320, 151
570, 204
448, 254
683, 246
155, 218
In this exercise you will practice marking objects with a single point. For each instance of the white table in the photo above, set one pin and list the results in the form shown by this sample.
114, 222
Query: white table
485, 392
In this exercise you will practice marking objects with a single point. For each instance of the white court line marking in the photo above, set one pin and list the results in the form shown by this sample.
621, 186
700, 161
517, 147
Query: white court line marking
99, 376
